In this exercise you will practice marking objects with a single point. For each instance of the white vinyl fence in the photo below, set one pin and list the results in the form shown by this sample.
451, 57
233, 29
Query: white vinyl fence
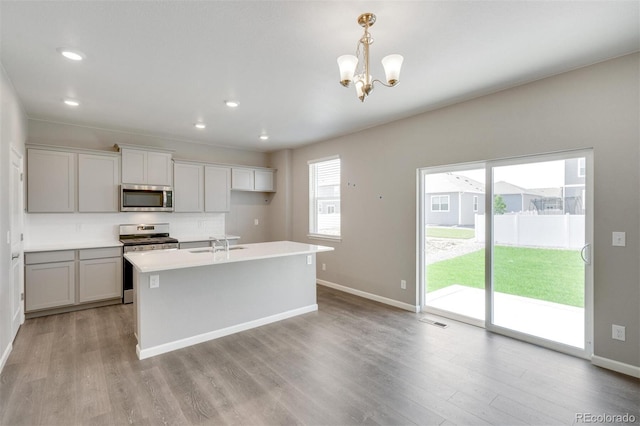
556, 231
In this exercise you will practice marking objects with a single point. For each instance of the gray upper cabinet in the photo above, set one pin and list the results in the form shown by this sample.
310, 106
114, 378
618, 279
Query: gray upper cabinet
51, 181
188, 187
217, 189
201, 187
263, 180
98, 179
146, 167
252, 179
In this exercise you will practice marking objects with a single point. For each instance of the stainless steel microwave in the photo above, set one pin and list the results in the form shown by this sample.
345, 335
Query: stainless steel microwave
146, 198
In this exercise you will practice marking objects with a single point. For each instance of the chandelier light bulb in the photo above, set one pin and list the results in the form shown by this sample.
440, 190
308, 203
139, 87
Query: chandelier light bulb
392, 65
347, 64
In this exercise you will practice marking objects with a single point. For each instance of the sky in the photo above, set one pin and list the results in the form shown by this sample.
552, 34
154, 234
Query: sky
548, 174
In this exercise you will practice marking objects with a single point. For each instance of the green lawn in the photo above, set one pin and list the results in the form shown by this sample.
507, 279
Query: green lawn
545, 274
459, 233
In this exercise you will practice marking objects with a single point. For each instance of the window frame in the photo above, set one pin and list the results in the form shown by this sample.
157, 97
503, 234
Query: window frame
314, 208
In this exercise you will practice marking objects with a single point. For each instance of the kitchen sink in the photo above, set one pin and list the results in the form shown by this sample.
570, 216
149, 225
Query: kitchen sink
210, 249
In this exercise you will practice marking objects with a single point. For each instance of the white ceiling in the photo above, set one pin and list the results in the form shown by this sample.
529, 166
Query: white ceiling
157, 67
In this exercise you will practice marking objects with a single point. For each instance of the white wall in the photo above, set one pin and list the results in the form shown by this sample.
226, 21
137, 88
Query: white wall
13, 125
85, 228
593, 107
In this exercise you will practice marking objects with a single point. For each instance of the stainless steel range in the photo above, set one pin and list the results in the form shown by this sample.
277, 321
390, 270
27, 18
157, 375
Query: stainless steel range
142, 237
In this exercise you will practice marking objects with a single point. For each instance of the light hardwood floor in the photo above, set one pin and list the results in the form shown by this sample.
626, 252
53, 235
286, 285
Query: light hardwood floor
352, 362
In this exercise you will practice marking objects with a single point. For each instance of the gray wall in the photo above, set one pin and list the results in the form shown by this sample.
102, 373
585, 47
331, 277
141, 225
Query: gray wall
596, 106
13, 133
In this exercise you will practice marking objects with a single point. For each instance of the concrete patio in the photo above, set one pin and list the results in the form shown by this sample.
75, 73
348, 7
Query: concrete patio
552, 321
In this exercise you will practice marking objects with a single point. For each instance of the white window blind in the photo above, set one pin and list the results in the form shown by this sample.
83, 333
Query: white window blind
324, 198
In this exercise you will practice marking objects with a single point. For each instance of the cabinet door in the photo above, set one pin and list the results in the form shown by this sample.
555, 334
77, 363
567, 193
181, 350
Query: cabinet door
217, 189
49, 285
98, 177
134, 166
188, 188
100, 279
159, 170
51, 182
263, 180
242, 179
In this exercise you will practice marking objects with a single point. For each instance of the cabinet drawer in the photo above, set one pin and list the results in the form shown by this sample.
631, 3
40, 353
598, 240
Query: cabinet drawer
99, 253
49, 256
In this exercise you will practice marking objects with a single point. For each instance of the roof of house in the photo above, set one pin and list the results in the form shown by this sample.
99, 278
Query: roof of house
451, 182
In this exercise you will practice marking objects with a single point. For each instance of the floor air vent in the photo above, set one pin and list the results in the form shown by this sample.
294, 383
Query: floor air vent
432, 322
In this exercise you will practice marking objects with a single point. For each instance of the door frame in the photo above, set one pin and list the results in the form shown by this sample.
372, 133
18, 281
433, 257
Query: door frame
587, 352
422, 206
421, 269
16, 247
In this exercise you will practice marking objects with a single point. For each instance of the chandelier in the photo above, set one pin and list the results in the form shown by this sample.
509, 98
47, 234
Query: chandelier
361, 77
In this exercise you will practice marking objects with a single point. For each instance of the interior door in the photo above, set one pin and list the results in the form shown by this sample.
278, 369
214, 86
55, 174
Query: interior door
539, 282
16, 274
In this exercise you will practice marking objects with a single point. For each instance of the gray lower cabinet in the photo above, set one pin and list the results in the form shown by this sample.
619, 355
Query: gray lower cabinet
68, 279
49, 285
100, 277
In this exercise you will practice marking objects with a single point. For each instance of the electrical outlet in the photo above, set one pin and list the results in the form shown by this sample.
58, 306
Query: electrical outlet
619, 239
154, 281
403, 284
618, 332
324, 266
256, 222
309, 259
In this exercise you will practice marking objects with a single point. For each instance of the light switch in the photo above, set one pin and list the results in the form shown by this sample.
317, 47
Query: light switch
619, 239
309, 259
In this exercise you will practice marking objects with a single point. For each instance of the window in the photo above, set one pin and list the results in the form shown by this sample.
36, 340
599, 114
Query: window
439, 203
475, 203
324, 198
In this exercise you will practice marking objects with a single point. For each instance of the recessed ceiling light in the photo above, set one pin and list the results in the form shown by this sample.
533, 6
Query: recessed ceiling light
71, 102
74, 55
264, 137
200, 126
232, 104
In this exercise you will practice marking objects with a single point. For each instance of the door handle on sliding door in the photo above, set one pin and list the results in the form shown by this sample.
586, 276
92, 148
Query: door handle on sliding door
586, 250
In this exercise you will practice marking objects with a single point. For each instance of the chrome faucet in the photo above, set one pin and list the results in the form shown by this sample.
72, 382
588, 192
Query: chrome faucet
224, 242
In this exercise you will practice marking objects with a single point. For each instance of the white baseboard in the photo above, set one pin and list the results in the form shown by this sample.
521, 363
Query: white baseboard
5, 356
620, 367
371, 296
216, 334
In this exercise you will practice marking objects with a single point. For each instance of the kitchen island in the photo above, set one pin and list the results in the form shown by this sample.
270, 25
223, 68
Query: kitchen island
185, 297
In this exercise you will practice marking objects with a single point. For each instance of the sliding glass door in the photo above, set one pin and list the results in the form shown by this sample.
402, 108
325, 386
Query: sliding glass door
521, 267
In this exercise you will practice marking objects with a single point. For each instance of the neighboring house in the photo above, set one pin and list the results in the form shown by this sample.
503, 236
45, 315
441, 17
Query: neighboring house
453, 200
574, 185
518, 199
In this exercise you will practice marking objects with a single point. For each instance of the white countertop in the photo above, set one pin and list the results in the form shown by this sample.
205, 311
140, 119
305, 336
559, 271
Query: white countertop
193, 238
70, 245
162, 260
